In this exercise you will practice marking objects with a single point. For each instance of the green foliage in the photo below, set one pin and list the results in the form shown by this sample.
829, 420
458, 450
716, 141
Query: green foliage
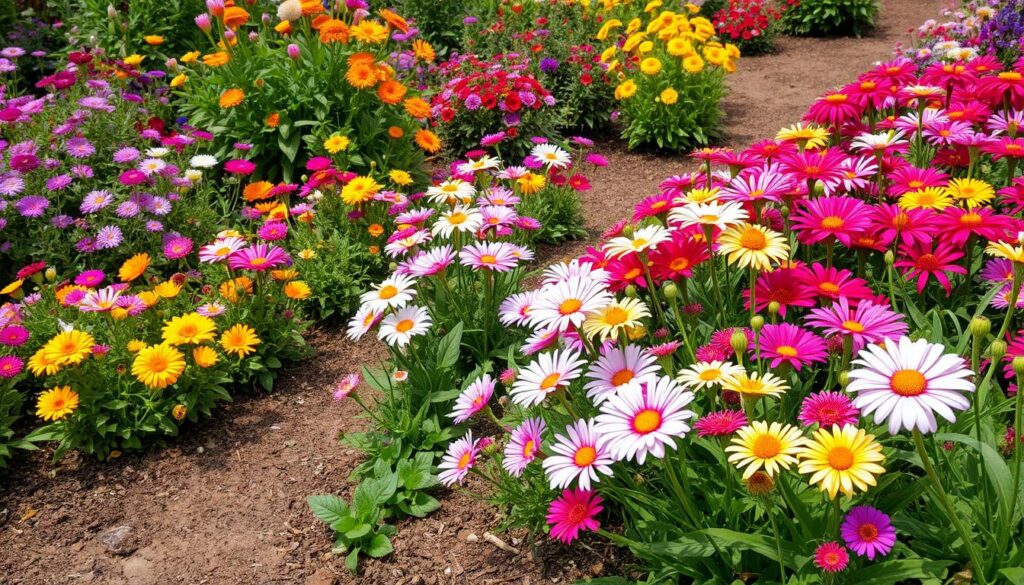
358, 526
341, 270
120, 33
830, 17
560, 213
438, 22
693, 121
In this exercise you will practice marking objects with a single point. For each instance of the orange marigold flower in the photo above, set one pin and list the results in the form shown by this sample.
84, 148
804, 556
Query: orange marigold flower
153, 40
375, 230
257, 191
396, 132
428, 141
133, 267
361, 76
333, 31
216, 59
373, 250
318, 21
273, 120
423, 50
361, 58
391, 92
235, 17
394, 20
417, 108
231, 98
312, 7
297, 290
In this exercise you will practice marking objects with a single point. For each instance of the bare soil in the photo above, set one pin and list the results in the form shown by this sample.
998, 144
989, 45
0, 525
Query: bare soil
225, 503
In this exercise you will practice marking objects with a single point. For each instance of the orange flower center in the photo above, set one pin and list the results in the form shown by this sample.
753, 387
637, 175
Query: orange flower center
710, 374
622, 376
829, 287
679, 264
550, 381
615, 316
908, 383
766, 447
786, 350
404, 325
867, 532
832, 222
584, 456
840, 458
464, 460
388, 291
646, 421
569, 306
753, 239
528, 448
488, 259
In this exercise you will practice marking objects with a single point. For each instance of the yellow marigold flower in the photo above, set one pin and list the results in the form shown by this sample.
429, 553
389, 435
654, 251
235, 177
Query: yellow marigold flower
153, 40
257, 191
231, 98
360, 190
158, 366
427, 140
391, 92
273, 120
135, 346
218, 59
376, 230
306, 254
752, 245
239, 340
133, 60
284, 274
361, 76
732, 51
970, 192
669, 96
715, 55
652, 6
417, 108
809, 136
625, 90
40, 365
692, 8
394, 19
633, 26
650, 66
842, 460
205, 356
189, 328
297, 290
423, 51
400, 177
607, 28
616, 316
56, 403
167, 289
531, 183
679, 47
69, 348
179, 412
284, 27
693, 64
609, 53
369, 31
935, 198
235, 16
336, 143
645, 47
12, 287
133, 267
149, 298
179, 80
190, 57
633, 42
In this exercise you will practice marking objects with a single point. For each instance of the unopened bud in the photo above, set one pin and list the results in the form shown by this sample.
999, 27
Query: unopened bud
756, 323
631, 291
51, 274
844, 378
890, 258
1018, 365
111, 12
980, 327
819, 188
627, 230
671, 290
773, 308
738, 341
997, 350
784, 210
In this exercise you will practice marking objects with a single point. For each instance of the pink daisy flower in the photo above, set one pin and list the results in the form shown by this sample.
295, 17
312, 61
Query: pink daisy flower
272, 231
782, 286
814, 165
910, 178
177, 247
956, 224
828, 408
833, 283
909, 225
768, 183
868, 532
617, 367
839, 217
831, 557
868, 323
345, 386
90, 278
458, 460
259, 257
473, 399
494, 256
645, 417
721, 423
573, 511
653, 206
580, 455
930, 260
523, 446
13, 335
788, 343
10, 366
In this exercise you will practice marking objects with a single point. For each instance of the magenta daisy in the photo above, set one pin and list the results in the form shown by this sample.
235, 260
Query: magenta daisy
95, 201
787, 343
573, 511
828, 408
473, 399
259, 257
272, 231
494, 256
345, 386
868, 532
523, 446
824, 217
831, 557
177, 247
13, 335
10, 366
458, 460
935, 259
832, 283
644, 417
90, 278
580, 454
782, 286
868, 323
721, 423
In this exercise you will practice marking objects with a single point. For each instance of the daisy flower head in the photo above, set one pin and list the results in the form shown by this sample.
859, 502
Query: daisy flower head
753, 246
451, 191
432, 261
158, 366
458, 460
345, 386
1006, 250
828, 408
394, 292
567, 304
970, 192
551, 155
573, 511
787, 343
839, 217
617, 367
844, 459
575, 268
761, 445
56, 403
868, 323
361, 323
523, 446
755, 385
720, 423
473, 399
549, 373
643, 239
713, 213
831, 557
762, 184
868, 532
483, 163
703, 375
907, 383
460, 218
259, 257
400, 327
618, 315
516, 308
580, 454
494, 256
644, 417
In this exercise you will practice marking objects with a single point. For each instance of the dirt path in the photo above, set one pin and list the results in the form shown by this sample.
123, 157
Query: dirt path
225, 504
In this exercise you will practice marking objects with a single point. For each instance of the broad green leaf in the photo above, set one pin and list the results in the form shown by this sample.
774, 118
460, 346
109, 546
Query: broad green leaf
379, 547
329, 508
888, 572
448, 347
1014, 575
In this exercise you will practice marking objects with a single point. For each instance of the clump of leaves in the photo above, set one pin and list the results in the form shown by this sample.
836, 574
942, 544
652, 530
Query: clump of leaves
358, 527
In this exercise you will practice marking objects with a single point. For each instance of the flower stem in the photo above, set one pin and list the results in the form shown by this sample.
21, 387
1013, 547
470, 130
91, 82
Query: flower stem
778, 545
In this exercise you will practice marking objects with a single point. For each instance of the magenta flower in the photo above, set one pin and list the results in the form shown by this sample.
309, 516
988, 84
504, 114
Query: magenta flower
177, 247
840, 217
831, 557
573, 511
868, 323
259, 257
13, 335
239, 167
90, 278
496, 256
788, 343
132, 177
930, 260
868, 532
721, 423
272, 231
828, 408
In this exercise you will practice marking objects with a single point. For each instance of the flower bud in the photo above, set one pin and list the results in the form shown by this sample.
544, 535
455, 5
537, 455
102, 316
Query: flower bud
773, 308
631, 291
997, 350
844, 378
756, 323
784, 211
253, 36
890, 258
293, 51
1018, 365
265, 19
760, 484
203, 22
671, 290
739, 341
980, 327
229, 36
51, 274
627, 230
111, 12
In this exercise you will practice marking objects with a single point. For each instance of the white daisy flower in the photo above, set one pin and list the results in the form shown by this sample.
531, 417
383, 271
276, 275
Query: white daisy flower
364, 320
644, 417
617, 367
549, 373
399, 328
202, 161
579, 454
707, 374
645, 238
393, 292
451, 191
551, 155
713, 213
460, 218
567, 303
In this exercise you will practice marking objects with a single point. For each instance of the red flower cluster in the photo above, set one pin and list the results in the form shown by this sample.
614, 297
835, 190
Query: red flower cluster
744, 20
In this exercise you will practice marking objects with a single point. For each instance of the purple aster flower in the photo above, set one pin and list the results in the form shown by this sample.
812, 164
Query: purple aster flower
62, 221
868, 532
13, 335
159, 206
132, 177
80, 148
32, 206
95, 201
96, 103
12, 52
548, 65
177, 247
126, 155
11, 185
109, 237
23, 163
82, 171
154, 226
473, 102
86, 245
10, 366
273, 230
59, 182
128, 209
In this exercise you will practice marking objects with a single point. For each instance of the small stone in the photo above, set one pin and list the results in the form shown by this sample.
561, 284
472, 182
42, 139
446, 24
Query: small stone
322, 576
597, 569
200, 450
472, 537
116, 540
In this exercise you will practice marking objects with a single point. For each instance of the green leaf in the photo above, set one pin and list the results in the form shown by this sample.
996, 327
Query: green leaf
329, 508
352, 560
358, 532
379, 547
995, 465
888, 572
422, 505
1014, 575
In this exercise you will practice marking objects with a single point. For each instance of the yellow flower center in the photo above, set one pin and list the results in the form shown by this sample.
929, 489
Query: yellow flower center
840, 458
488, 259
710, 374
457, 218
908, 383
569, 306
388, 291
766, 447
832, 222
1010, 75
646, 421
464, 461
853, 326
528, 448
404, 325
786, 350
639, 242
584, 456
753, 239
550, 381
970, 219
616, 316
